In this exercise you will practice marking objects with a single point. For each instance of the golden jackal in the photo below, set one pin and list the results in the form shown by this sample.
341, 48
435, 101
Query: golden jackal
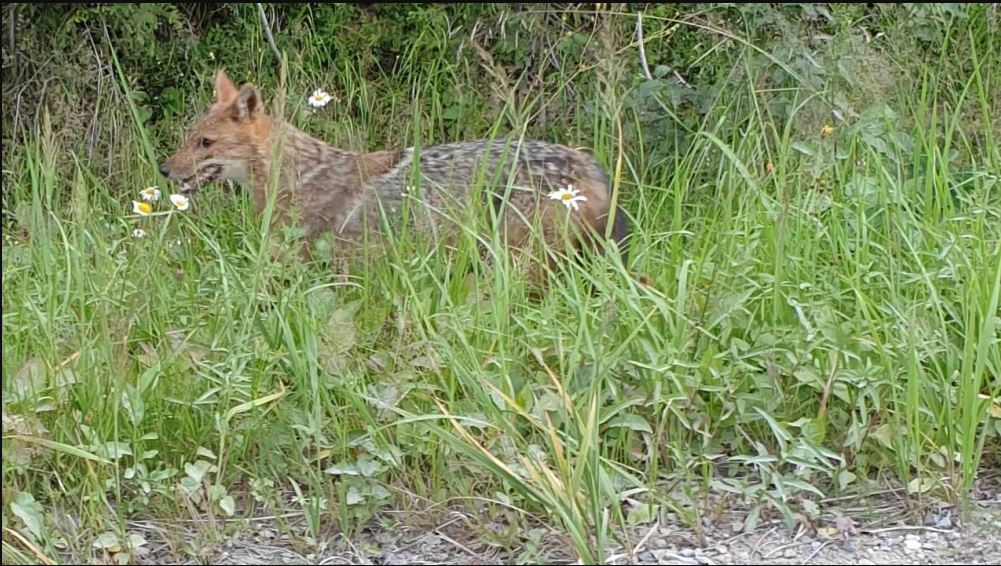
325, 190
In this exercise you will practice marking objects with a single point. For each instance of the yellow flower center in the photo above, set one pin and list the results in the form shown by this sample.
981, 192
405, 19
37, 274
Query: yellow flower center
567, 196
145, 208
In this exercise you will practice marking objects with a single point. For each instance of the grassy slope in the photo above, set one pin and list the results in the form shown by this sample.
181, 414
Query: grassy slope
822, 317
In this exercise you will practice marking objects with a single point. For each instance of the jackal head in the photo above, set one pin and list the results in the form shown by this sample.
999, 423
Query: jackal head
224, 142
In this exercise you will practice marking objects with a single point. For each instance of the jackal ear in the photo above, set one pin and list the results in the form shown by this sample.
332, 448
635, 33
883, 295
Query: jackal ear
248, 102
225, 90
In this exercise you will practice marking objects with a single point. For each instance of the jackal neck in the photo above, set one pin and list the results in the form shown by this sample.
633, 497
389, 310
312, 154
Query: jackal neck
306, 163
299, 151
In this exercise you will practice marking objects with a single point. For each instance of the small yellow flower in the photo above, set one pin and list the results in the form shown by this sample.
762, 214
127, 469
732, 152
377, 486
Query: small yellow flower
141, 208
568, 196
180, 202
150, 194
826, 130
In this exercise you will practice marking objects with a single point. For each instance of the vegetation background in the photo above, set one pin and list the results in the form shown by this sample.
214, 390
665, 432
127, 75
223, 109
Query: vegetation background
814, 194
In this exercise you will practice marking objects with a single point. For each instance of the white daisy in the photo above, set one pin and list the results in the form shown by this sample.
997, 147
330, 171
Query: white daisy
319, 98
141, 208
139, 233
150, 194
180, 202
568, 196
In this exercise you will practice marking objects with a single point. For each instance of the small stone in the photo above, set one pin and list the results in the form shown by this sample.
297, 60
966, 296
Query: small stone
815, 546
687, 552
912, 544
944, 523
665, 556
789, 553
646, 557
847, 546
659, 543
736, 527
844, 524
930, 519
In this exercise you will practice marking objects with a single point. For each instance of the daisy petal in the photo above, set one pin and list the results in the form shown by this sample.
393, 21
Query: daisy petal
180, 202
569, 197
150, 194
319, 98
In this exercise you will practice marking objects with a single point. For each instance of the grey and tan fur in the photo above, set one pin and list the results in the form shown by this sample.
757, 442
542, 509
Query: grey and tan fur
327, 190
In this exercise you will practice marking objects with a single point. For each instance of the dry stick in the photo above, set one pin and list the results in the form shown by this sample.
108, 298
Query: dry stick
757, 545
39, 555
642, 49
267, 32
639, 38
10, 32
94, 129
645, 538
905, 528
816, 552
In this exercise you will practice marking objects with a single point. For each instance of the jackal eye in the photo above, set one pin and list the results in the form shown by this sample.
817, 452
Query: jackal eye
205, 142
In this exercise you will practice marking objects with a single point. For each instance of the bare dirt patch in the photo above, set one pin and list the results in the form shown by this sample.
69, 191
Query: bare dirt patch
884, 529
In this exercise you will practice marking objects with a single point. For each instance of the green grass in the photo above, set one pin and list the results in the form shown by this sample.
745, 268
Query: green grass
823, 319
